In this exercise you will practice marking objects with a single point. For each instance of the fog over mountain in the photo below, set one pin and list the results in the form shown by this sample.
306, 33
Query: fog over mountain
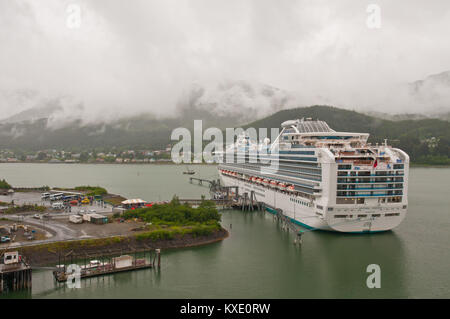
237, 59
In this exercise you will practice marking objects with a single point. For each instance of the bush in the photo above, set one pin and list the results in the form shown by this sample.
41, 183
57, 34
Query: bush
25, 208
92, 190
4, 184
175, 213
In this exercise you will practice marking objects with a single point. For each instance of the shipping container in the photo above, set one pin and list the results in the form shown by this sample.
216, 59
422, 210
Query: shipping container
123, 261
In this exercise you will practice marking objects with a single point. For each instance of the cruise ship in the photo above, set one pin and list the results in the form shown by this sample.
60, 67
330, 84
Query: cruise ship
323, 179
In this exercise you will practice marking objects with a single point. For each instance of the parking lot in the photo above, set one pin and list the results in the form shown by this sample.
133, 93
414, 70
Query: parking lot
55, 224
32, 198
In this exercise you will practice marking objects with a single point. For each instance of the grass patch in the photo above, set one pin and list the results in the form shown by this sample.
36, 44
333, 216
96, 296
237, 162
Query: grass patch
25, 209
4, 184
92, 190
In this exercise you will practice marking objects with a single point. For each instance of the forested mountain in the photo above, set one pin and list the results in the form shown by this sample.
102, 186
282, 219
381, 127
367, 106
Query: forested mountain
425, 140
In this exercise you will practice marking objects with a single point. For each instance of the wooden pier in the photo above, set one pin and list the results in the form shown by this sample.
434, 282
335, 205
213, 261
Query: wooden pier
15, 273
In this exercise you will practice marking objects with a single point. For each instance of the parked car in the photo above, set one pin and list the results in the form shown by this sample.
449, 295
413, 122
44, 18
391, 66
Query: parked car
5, 239
37, 216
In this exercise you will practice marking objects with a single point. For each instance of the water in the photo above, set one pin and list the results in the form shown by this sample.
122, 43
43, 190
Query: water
259, 260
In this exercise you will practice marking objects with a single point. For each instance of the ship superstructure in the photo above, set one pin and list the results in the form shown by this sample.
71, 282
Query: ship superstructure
323, 179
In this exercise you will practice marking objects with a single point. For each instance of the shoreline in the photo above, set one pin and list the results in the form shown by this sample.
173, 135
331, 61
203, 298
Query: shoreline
100, 163
48, 253
412, 165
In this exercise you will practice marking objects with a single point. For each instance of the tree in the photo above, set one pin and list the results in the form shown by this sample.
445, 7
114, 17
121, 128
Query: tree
41, 156
84, 156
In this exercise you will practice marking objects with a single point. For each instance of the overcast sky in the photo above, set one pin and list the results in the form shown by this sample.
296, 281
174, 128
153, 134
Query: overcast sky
133, 56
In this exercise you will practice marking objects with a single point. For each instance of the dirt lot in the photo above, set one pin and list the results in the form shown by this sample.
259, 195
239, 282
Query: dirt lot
20, 235
111, 229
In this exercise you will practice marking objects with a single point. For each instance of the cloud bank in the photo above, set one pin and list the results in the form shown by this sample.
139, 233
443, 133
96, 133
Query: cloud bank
142, 56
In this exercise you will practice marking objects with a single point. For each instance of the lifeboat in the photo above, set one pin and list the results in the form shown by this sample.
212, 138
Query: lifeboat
259, 180
273, 184
266, 182
282, 186
253, 179
290, 188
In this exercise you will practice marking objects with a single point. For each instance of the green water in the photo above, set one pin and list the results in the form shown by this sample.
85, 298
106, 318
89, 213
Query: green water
259, 260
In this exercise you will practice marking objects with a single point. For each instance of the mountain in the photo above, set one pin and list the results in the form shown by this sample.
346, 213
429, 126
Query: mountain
224, 104
142, 131
416, 137
425, 140
433, 93
228, 103
33, 114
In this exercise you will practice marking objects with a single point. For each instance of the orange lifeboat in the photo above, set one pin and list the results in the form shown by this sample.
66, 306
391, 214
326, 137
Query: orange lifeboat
273, 184
290, 188
266, 182
259, 180
282, 186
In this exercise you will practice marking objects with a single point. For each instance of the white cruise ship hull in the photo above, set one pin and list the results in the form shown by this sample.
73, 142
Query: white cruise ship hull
303, 214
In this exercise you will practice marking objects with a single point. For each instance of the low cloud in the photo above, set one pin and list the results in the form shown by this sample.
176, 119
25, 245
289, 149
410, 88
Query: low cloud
129, 58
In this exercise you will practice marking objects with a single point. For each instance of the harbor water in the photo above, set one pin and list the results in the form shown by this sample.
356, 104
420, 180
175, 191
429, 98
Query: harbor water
259, 259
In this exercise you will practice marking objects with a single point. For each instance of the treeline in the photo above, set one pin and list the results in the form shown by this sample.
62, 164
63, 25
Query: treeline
4, 184
92, 190
177, 214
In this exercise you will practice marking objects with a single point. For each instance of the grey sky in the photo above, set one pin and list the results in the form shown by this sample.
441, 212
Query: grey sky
133, 56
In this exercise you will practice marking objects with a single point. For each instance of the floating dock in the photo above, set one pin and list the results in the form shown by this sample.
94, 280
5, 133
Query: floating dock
108, 265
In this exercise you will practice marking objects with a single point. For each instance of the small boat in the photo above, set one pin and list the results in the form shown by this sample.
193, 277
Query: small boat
189, 171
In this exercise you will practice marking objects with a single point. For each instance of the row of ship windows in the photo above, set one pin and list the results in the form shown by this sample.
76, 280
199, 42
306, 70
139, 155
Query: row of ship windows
365, 215
279, 171
370, 187
340, 200
367, 173
300, 202
349, 166
370, 180
368, 193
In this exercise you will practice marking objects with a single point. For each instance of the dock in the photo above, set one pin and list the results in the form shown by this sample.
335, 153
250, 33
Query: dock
106, 264
245, 201
230, 198
15, 273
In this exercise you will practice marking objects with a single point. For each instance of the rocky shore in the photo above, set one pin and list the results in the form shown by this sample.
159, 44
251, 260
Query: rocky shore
49, 253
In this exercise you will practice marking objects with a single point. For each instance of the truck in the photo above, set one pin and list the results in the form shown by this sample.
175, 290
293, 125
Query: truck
76, 219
